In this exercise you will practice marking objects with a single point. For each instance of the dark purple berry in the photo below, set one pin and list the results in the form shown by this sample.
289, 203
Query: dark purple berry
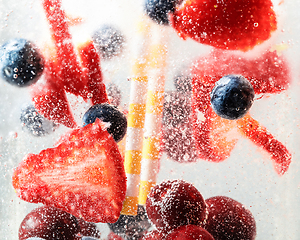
21, 63
109, 114
232, 97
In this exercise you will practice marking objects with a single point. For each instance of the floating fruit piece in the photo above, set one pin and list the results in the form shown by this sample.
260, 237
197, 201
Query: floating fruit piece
231, 24
83, 175
229, 219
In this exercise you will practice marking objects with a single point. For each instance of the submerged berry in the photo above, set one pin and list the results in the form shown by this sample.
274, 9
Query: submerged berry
109, 114
158, 10
21, 63
229, 219
35, 123
49, 223
175, 203
109, 40
232, 97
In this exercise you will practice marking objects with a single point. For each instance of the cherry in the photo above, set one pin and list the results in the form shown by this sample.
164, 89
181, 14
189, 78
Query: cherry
189, 232
174, 203
229, 219
49, 223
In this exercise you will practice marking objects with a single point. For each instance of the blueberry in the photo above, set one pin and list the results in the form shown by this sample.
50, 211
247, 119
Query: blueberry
110, 114
114, 94
21, 63
33, 121
232, 97
109, 41
158, 10
131, 227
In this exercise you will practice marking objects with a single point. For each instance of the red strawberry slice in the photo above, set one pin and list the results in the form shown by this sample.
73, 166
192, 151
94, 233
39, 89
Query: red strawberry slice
230, 24
73, 79
216, 137
258, 134
84, 175
50, 100
91, 61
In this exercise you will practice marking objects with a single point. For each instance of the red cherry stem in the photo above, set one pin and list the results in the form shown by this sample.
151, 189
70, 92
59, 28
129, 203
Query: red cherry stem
260, 136
91, 61
73, 78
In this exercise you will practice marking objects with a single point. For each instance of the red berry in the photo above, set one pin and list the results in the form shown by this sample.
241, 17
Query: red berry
174, 203
189, 232
49, 223
229, 219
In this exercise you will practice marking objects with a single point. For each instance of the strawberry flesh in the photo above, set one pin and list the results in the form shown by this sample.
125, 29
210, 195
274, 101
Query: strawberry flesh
83, 175
232, 25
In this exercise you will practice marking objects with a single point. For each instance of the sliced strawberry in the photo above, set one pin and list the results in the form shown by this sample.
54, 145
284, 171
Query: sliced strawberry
50, 100
260, 135
84, 175
216, 137
73, 79
231, 24
91, 61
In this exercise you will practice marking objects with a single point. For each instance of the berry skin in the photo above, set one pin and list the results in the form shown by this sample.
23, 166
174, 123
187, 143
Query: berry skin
110, 114
49, 223
232, 97
158, 10
35, 122
189, 232
175, 203
109, 41
132, 227
229, 219
83, 174
21, 63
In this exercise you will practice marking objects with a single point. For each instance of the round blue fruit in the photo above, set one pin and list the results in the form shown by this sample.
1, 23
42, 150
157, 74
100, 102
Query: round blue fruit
158, 10
21, 62
109, 114
35, 123
232, 97
109, 41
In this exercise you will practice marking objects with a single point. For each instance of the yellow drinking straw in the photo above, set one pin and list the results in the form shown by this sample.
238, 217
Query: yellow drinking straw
136, 119
154, 107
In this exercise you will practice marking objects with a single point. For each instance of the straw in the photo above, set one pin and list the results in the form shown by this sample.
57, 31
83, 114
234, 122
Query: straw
135, 120
154, 107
